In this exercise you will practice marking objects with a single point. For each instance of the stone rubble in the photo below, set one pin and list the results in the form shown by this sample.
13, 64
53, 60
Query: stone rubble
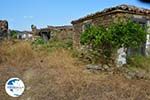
99, 67
121, 70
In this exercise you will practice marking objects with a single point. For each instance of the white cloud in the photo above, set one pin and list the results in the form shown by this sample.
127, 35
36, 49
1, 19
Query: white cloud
28, 17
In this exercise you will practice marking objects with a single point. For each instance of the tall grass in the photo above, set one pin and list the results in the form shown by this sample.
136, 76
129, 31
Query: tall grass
17, 53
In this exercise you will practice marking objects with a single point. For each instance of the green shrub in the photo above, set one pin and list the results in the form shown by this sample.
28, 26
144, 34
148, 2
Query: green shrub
39, 41
106, 40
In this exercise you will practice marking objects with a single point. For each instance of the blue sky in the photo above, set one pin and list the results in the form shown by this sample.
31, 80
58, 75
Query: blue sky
22, 13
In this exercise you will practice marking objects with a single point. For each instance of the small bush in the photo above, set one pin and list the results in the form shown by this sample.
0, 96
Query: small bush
39, 41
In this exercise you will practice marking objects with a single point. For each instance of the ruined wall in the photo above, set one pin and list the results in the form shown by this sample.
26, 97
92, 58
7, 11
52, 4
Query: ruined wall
54, 32
76, 35
34, 30
3, 28
62, 33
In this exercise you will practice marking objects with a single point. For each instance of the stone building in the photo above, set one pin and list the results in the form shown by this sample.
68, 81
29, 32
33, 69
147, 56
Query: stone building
62, 32
108, 16
51, 32
3, 29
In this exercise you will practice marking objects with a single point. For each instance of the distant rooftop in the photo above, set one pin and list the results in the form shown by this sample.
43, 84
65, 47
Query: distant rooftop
48, 28
122, 8
61, 27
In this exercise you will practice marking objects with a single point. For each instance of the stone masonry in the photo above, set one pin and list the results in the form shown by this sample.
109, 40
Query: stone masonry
57, 32
3, 29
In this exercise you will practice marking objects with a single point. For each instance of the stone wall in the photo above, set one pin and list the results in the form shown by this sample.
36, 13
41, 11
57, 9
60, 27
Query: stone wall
61, 32
148, 40
3, 28
34, 30
104, 20
55, 32
96, 20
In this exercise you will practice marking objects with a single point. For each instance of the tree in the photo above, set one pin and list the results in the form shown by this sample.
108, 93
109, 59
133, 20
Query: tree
105, 40
13, 34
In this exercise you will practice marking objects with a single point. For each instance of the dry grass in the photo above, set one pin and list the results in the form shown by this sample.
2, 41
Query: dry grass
16, 52
59, 76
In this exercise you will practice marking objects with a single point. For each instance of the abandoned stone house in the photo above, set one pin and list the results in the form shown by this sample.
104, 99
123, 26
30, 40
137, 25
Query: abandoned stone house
57, 32
3, 29
109, 15
62, 32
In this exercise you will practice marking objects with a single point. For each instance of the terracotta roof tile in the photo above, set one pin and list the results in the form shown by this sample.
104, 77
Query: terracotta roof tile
123, 7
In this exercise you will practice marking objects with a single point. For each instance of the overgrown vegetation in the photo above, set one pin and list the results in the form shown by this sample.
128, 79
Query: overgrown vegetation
63, 75
59, 76
52, 44
39, 41
104, 41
